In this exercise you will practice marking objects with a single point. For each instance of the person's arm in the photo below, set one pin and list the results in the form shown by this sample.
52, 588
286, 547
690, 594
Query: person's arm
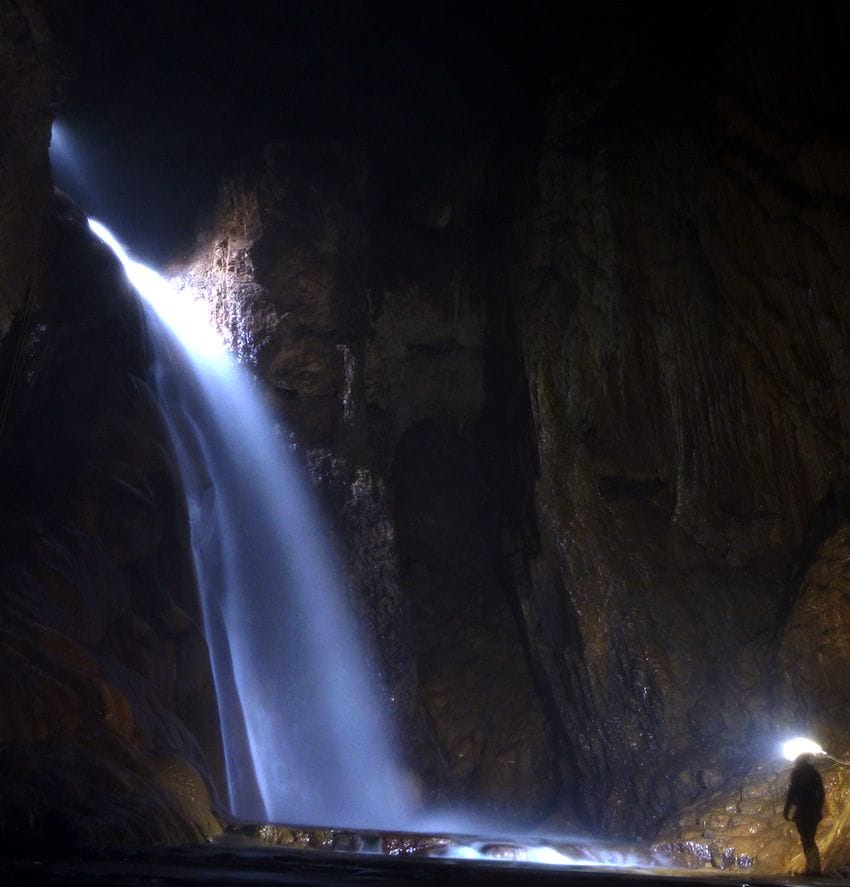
789, 802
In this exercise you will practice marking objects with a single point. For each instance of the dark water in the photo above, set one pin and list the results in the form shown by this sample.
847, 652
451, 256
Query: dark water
218, 865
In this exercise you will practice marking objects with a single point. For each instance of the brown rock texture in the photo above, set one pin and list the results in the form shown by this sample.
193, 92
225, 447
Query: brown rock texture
683, 327
813, 656
742, 826
372, 336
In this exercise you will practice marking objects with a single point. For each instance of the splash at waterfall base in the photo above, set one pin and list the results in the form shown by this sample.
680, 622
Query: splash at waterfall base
738, 828
227, 866
309, 857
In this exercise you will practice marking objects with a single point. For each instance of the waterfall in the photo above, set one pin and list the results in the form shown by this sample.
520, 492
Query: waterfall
305, 734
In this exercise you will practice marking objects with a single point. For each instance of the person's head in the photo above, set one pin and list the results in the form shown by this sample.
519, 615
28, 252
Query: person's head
804, 760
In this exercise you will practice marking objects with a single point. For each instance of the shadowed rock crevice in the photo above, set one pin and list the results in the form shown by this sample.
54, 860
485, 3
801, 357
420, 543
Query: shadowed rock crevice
474, 677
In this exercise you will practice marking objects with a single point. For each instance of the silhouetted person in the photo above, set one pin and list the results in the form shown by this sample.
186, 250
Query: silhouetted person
805, 797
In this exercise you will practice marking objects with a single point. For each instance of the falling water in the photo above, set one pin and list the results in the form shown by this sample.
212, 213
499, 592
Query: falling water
305, 735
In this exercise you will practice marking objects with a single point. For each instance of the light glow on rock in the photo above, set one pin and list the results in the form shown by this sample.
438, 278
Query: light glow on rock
800, 745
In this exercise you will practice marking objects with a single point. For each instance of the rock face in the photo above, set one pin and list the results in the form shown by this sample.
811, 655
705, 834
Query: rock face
579, 404
108, 723
108, 727
373, 337
743, 827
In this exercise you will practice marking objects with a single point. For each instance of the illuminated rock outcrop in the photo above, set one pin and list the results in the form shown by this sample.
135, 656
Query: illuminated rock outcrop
742, 825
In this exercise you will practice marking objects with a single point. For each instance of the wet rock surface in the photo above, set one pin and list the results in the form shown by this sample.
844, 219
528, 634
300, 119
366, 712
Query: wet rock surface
814, 652
741, 826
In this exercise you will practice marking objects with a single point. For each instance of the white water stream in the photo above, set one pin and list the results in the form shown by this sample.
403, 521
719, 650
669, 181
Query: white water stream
306, 737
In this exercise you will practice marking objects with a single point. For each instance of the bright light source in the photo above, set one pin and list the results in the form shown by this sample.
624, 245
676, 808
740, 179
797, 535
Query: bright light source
800, 745
186, 316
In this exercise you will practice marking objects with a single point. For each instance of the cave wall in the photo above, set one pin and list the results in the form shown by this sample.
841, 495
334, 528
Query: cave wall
108, 725
367, 317
577, 399
573, 389
684, 352
680, 295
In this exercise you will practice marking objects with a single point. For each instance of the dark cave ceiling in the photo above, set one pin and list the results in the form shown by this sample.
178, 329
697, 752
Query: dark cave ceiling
162, 97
